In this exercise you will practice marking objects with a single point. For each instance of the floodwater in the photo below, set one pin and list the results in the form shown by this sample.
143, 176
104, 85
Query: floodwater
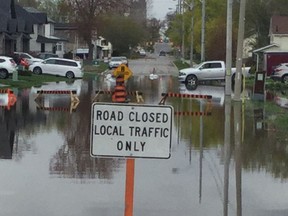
227, 158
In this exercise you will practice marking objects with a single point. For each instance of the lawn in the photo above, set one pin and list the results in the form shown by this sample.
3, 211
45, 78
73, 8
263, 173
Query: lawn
27, 79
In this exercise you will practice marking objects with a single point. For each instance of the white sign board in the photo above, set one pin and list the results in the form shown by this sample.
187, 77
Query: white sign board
129, 130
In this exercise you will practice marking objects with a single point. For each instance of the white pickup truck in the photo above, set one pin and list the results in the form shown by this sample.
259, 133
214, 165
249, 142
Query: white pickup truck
208, 70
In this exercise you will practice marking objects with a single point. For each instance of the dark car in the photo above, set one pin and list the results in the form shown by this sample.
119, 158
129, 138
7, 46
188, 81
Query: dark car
162, 53
45, 55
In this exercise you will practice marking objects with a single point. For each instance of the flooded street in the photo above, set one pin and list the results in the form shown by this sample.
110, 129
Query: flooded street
226, 157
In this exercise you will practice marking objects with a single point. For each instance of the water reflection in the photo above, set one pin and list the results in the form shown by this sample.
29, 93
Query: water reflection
8, 129
7, 98
233, 161
217, 92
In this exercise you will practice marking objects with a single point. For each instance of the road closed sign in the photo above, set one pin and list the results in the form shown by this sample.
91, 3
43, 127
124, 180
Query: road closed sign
129, 130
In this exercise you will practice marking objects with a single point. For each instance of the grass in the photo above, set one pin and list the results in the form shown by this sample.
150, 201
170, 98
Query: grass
181, 65
27, 80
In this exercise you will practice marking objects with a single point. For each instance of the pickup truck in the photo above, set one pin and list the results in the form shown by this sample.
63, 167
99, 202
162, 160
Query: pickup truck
208, 70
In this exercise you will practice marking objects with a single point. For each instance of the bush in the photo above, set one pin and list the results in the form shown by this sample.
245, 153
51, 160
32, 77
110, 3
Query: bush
24, 72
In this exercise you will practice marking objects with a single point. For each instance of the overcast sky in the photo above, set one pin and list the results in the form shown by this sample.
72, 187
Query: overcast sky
161, 7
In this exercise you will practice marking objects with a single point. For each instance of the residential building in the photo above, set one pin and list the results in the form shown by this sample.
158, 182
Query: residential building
278, 34
25, 30
15, 28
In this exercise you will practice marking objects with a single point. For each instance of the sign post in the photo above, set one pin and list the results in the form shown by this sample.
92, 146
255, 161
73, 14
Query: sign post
122, 70
130, 131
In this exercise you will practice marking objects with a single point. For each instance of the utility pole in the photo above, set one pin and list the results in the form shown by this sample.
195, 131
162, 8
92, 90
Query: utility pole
183, 31
228, 48
203, 31
238, 77
192, 33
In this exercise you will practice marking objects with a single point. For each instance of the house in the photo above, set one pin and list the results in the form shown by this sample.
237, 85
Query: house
15, 28
25, 30
277, 51
278, 32
43, 38
76, 46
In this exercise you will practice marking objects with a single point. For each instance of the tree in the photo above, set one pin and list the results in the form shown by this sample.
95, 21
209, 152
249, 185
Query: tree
57, 10
258, 17
122, 32
28, 3
87, 15
153, 28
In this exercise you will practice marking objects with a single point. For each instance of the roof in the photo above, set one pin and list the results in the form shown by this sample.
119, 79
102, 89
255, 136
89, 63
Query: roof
279, 25
38, 16
51, 39
5, 7
263, 49
65, 26
3, 23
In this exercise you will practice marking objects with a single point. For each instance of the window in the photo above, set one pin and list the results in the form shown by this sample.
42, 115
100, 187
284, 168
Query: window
50, 61
66, 63
215, 65
25, 56
211, 65
2, 60
59, 47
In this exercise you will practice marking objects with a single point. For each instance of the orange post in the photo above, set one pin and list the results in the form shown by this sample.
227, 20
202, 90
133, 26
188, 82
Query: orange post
119, 94
129, 189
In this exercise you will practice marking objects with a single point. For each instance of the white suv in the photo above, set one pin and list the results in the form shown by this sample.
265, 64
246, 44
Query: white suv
280, 73
58, 66
7, 66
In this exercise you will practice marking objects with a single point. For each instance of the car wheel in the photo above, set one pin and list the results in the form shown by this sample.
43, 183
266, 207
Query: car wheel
70, 75
191, 80
37, 70
3, 74
285, 79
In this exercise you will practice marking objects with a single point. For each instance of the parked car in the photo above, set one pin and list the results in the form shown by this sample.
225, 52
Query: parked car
45, 55
7, 66
209, 70
116, 61
142, 52
29, 58
280, 73
58, 66
162, 53
124, 60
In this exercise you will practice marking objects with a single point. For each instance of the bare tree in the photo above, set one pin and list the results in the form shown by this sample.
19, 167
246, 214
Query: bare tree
87, 15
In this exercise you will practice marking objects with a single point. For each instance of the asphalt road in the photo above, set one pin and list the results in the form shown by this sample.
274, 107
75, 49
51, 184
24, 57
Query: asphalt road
162, 65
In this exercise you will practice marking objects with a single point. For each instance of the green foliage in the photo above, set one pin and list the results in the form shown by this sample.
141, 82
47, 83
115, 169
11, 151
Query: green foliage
24, 73
257, 21
34, 80
258, 15
57, 10
123, 33
181, 65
